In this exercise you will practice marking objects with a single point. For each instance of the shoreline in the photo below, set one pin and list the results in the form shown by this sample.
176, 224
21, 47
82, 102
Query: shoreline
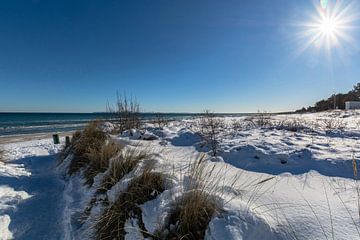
30, 137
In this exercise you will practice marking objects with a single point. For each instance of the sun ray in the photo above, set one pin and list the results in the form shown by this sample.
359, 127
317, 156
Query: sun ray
330, 28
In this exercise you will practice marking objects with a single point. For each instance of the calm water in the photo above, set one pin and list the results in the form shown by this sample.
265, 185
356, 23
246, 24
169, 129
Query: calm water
28, 123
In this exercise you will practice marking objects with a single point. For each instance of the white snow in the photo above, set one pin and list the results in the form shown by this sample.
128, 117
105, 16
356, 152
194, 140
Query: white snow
23, 177
308, 190
4, 225
274, 183
13, 170
8, 199
43, 147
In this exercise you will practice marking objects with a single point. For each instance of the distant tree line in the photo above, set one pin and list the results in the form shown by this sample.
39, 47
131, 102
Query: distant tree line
340, 99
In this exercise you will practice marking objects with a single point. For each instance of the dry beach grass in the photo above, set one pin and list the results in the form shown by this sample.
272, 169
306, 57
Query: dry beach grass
111, 224
91, 139
121, 165
99, 160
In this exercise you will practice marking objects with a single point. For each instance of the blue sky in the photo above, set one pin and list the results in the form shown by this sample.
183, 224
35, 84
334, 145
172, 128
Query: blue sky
173, 55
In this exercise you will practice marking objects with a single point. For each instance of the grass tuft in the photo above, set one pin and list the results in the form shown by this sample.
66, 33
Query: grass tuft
91, 139
99, 160
192, 215
198, 205
121, 165
111, 225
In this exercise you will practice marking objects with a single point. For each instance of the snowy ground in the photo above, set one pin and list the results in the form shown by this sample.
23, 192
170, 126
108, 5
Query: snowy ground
290, 185
30, 192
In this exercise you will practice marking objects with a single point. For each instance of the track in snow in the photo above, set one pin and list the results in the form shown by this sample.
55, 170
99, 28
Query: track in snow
38, 217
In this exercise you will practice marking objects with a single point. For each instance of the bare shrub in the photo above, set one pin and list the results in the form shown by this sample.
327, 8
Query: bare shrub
111, 225
261, 119
237, 125
293, 125
333, 124
91, 139
99, 160
121, 165
126, 113
160, 120
210, 129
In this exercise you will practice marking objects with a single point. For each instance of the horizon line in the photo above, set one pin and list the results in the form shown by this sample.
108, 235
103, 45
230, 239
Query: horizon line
152, 112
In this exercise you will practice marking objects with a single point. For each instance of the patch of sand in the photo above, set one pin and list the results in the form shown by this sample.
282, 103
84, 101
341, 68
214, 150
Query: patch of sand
29, 137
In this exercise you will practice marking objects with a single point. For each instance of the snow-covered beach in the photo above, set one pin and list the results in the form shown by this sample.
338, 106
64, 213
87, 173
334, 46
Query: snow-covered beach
30, 137
30, 191
295, 178
179, 120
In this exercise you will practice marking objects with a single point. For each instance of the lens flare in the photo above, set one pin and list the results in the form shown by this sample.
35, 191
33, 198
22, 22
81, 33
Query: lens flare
330, 28
324, 3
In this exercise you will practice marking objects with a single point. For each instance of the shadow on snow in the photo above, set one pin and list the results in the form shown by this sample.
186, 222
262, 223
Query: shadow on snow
254, 159
40, 215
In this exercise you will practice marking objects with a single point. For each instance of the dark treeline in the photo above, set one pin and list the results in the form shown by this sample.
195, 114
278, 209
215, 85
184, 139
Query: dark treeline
340, 99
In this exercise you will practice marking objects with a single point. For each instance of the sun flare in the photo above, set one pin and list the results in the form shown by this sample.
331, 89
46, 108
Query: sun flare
328, 30
328, 26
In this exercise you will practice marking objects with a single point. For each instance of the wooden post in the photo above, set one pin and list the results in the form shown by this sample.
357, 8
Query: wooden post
56, 139
67, 141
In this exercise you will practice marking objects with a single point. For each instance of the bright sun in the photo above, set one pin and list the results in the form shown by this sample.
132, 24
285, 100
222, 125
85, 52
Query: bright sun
328, 26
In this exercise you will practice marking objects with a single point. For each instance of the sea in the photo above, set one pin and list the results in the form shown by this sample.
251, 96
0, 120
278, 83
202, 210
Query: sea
36, 123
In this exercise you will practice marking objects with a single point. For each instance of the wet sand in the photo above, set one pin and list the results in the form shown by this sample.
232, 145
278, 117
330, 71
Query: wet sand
29, 137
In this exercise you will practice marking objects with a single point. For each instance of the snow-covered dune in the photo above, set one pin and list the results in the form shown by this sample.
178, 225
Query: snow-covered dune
296, 178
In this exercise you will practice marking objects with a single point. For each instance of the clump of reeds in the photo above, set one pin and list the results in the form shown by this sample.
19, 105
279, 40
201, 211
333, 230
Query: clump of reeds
192, 215
198, 205
111, 225
99, 160
121, 165
91, 139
